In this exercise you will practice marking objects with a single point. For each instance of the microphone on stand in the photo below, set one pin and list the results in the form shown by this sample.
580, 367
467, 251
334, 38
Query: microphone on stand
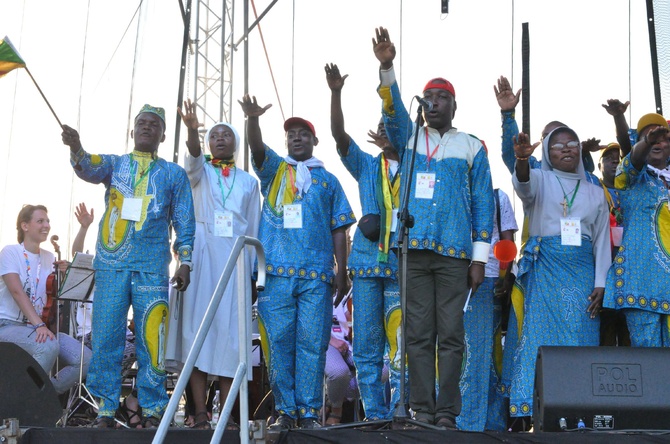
427, 105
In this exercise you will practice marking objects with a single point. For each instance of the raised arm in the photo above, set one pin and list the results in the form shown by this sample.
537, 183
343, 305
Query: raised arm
85, 219
383, 48
617, 110
190, 119
641, 150
398, 125
507, 101
253, 111
335, 83
523, 150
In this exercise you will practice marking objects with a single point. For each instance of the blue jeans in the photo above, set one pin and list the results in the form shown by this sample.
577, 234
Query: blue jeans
66, 348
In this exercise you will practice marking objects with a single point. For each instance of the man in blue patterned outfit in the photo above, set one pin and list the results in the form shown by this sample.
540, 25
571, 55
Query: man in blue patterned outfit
452, 204
303, 228
145, 196
376, 295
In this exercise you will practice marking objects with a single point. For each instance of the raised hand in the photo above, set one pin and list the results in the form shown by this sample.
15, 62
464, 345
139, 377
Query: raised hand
522, 147
656, 135
250, 106
383, 48
334, 78
614, 107
189, 117
381, 141
84, 217
506, 98
591, 145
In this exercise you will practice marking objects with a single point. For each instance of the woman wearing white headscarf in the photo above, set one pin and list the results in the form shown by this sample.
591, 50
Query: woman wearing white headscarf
226, 200
562, 273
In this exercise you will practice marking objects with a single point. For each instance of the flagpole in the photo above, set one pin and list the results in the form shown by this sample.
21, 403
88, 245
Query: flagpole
43, 96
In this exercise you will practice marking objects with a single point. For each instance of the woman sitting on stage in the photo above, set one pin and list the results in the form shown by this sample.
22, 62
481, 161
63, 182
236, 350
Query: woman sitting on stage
25, 269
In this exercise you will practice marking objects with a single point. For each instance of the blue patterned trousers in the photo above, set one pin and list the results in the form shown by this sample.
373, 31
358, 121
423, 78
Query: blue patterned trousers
296, 317
116, 291
376, 324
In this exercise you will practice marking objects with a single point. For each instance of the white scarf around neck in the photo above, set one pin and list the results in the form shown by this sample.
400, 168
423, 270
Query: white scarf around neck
661, 174
303, 178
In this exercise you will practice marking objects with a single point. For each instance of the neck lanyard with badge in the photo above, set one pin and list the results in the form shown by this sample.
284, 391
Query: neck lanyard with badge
32, 285
223, 220
571, 227
132, 206
292, 211
425, 181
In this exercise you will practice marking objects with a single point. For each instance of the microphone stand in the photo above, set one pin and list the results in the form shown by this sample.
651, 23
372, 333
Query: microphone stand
401, 419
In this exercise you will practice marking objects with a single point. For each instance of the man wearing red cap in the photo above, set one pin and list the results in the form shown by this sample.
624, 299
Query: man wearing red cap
303, 227
452, 203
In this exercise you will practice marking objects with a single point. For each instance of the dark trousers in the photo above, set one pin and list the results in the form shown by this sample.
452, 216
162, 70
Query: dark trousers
437, 288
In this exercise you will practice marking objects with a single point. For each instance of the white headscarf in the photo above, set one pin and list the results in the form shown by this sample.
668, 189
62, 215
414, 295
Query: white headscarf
546, 160
229, 126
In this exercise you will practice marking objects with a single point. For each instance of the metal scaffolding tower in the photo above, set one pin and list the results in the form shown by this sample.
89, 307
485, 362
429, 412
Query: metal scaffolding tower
212, 76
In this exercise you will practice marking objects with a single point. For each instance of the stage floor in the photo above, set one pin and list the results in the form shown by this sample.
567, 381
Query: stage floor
77, 435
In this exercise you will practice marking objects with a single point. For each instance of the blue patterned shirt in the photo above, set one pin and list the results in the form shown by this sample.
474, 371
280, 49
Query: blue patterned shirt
165, 191
640, 274
458, 220
363, 258
306, 252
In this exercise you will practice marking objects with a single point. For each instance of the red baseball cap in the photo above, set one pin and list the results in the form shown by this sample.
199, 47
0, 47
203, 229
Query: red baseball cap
291, 121
440, 83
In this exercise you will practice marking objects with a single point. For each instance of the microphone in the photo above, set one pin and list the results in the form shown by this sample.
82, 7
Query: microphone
427, 105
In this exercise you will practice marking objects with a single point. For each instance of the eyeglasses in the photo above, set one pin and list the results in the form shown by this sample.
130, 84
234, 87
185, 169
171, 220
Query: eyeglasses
559, 146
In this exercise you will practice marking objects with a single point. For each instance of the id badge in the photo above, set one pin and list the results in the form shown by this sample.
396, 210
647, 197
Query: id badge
132, 209
223, 223
293, 216
425, 185
394, 220
617, 235
571, 231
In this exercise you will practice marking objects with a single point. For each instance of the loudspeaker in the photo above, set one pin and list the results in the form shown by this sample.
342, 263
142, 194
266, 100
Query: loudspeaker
27, 391
607, 388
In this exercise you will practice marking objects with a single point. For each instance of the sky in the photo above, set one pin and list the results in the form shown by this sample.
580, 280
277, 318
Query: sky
98, 63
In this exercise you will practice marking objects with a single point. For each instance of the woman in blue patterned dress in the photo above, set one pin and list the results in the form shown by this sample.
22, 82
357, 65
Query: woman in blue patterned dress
561, 280
639, 278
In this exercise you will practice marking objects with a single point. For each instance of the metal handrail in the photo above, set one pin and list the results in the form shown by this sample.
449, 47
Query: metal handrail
244, 315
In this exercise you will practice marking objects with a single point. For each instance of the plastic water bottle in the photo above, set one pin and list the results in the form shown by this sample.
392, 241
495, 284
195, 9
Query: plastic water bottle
215, 410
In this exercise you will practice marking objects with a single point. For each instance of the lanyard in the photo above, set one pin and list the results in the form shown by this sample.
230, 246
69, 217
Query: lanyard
567, 206
224, 197
36, 282
291, 178
429, 154
143, 175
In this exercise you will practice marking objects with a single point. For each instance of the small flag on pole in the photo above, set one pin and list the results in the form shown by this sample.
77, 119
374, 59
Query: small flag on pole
10, 60
9, 57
